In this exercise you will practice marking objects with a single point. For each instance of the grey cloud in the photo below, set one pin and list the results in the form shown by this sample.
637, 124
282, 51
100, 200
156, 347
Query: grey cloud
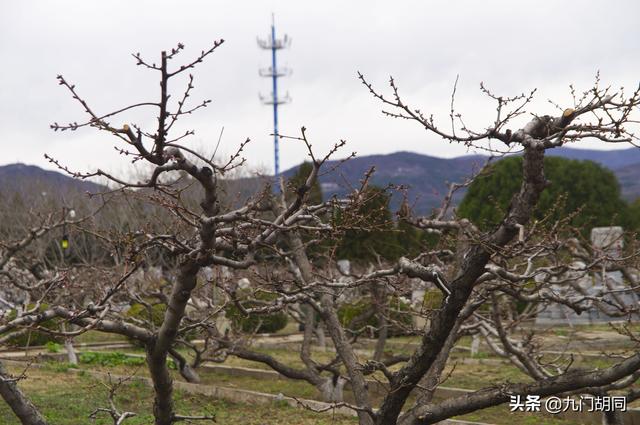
512, 46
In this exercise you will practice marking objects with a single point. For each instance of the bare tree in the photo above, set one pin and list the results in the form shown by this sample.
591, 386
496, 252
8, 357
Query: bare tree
199, 235
475, 269
479, 274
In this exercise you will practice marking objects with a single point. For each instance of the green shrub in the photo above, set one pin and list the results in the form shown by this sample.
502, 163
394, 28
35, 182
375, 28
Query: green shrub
480, 355
33, 338
432, 299
116, 358
53, 347
259, 323
59, 366
140, 312
155, 317
398, 316
109, 359
521, 305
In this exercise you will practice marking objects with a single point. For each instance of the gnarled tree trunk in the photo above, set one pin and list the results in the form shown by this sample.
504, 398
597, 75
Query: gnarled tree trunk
23, 408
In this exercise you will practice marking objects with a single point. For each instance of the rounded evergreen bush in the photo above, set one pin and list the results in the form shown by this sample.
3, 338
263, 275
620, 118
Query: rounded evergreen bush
582, 190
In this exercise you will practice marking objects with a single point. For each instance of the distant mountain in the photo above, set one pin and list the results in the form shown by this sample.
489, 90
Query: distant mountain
613, 160
427, 177
629, 178
31, 181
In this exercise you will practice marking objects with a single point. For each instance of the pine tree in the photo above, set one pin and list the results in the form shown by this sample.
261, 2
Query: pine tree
370, 230
299, 179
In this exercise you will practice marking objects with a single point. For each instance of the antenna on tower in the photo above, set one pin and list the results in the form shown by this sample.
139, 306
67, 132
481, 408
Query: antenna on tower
274, 44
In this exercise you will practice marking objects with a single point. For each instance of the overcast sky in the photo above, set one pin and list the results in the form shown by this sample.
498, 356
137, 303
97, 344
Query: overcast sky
513, 46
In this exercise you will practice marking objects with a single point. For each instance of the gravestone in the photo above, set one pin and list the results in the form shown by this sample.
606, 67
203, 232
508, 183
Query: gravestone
418, 289
344, 267
609, 287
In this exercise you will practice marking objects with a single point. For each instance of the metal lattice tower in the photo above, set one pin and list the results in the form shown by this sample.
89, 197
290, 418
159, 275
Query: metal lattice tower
274, 44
